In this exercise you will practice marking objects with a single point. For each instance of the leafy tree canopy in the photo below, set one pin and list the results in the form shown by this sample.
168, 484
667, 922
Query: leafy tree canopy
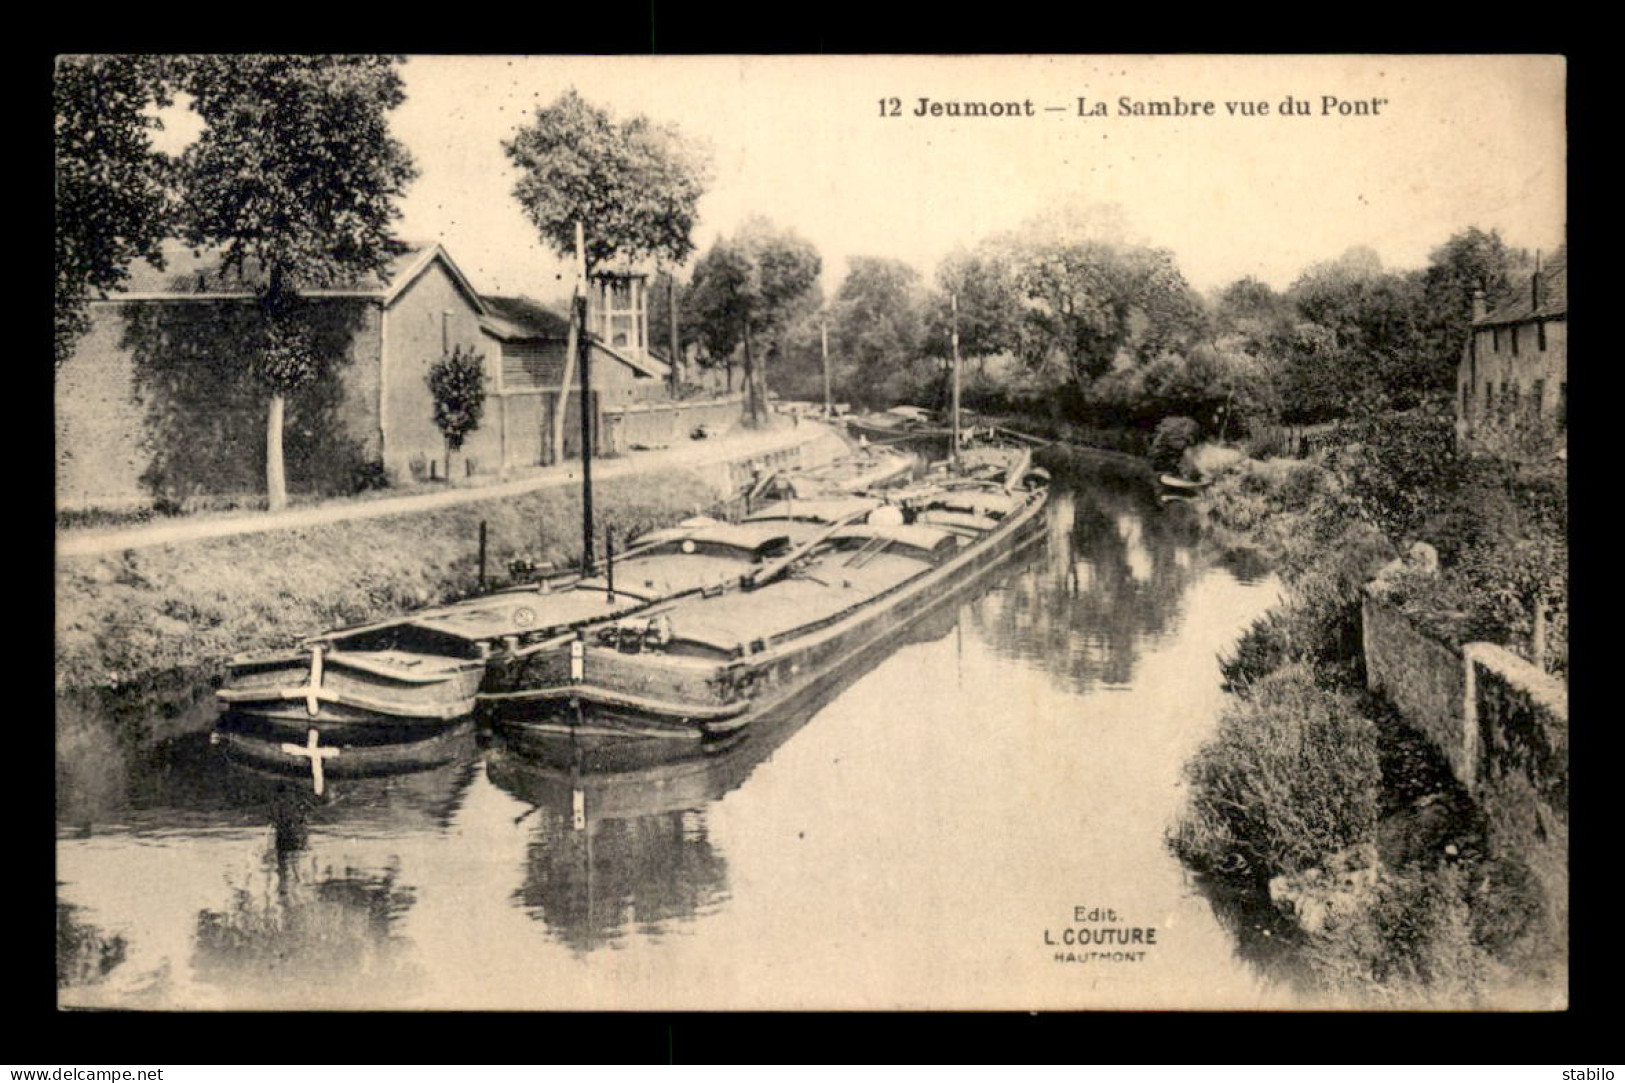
983, 284
113, 200
1091, 302
634, 186
296, 171
750, 286
878, 323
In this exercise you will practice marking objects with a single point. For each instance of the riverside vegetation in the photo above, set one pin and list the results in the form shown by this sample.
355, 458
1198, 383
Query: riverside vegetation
1314, 795
135, 614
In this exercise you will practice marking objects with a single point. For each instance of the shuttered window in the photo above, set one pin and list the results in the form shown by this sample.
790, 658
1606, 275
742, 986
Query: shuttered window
532, 366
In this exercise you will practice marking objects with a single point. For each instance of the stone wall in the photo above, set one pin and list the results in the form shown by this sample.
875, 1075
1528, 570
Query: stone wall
1503, 724
667, 423
1422, 677
159, 404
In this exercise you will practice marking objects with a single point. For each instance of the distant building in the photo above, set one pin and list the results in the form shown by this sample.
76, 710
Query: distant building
157, 401
1513, 376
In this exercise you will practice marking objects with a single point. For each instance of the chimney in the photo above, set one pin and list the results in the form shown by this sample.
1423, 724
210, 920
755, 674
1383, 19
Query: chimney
1478, 305
1535, 283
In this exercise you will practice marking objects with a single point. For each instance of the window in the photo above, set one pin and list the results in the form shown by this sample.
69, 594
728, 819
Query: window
1495, 337
1506, 401
1489, 399
1540, 334
1538, 394
1512, 333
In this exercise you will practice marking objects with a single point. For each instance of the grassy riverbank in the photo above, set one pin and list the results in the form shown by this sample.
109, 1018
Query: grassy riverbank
126, 616
1315, 798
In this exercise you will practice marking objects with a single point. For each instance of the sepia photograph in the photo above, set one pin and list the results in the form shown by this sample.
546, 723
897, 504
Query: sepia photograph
811, 533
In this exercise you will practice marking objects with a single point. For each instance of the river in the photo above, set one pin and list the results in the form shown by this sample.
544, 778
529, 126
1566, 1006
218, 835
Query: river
939, 830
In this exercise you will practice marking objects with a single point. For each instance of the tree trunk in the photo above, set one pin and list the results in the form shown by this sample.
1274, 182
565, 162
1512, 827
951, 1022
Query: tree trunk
1537, 635
448, 462
752, 410
276, 482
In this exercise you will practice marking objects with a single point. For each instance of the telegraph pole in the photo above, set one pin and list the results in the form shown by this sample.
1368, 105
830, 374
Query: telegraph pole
953, 308
584, 344
823, 338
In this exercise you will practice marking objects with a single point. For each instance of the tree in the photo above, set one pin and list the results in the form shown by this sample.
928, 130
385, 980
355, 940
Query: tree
1373, 320
633, 186
1468, 262
295, 177
878, 323
457, 382
1090, 303
983, 283
745, 290
113, 201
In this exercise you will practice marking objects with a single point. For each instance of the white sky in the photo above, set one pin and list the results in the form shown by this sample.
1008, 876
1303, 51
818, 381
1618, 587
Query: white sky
1462, 141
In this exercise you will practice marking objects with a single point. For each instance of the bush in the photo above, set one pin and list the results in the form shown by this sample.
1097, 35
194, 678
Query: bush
1168, 443
1291, 777
367, 476
1413, 946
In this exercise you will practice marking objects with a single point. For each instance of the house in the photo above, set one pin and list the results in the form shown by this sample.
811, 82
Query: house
159, 401
1513, 376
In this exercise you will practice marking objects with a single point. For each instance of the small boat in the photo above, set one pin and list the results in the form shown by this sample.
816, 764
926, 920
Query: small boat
704, 667
1184, 486
897, 424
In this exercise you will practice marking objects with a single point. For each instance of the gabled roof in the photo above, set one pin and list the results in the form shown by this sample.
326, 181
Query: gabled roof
190, 274
518, 318
1554, 296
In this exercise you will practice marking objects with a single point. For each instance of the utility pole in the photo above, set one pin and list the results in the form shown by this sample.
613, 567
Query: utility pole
671, 310
953, 308
578, 330
823, 339
588, 416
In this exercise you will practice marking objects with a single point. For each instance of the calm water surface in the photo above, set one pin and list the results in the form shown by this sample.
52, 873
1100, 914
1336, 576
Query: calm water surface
919, 834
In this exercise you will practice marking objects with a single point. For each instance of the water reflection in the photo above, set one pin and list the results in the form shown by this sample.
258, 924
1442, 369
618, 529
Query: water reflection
617, 848
1112, 578
303, 933
84, 953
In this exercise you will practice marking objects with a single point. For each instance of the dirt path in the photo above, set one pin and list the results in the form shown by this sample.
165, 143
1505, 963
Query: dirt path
734, 446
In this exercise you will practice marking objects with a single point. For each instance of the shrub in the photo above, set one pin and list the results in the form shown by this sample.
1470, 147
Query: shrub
1290, 778
1413, 946
1168, 443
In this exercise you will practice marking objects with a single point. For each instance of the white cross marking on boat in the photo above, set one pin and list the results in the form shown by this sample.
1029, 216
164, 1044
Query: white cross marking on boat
578, 809
312, 748
313, 703
578, 660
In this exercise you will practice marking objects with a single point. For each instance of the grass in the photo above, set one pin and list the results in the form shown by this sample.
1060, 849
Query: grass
135, 612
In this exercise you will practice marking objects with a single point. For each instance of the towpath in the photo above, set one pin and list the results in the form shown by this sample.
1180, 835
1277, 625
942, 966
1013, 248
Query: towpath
728, 448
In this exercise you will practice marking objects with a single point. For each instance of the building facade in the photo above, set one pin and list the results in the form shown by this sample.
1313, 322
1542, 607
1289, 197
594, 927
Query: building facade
159, 402
1512, 382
